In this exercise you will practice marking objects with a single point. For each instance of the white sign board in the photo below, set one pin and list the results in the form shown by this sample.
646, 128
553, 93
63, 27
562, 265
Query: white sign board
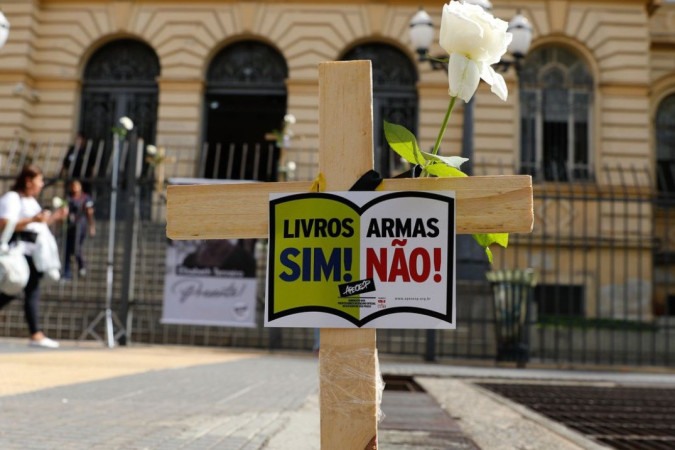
202, 288
361, 259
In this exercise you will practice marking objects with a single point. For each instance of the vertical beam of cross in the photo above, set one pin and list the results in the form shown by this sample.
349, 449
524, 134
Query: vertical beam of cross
348, 363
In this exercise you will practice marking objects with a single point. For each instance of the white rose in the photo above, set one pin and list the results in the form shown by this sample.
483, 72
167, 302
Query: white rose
57, 202
127, 123
151, 150
475, 40
4, 29
289, 118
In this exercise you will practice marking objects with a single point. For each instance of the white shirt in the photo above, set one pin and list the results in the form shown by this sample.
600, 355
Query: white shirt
15, 207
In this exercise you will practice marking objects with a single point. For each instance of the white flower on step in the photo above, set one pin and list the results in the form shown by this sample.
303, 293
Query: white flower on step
127, 123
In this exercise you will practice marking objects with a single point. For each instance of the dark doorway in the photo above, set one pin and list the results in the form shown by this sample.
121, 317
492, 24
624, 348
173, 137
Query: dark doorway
236, 129
394, 97
245, 100
120, 79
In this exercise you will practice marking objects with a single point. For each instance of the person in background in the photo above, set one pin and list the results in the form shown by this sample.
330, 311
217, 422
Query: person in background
80, 224
20, 206
72, 162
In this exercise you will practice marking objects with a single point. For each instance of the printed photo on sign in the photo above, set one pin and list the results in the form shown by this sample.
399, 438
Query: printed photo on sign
361, 259
211, 282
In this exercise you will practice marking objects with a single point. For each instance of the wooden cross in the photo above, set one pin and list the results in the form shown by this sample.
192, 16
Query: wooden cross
348, 403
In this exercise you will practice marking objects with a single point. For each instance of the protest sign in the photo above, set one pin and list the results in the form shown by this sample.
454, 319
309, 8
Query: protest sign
361, 259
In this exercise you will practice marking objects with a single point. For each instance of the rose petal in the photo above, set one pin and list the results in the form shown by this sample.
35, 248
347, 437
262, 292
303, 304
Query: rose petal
459, 34
496, 82
463, 76
495, 37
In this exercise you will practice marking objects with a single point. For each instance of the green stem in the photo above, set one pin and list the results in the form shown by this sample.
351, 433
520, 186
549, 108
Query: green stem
441, 132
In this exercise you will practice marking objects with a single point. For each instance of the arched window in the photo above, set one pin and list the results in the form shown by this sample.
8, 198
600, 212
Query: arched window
394, 96
665, 145
120, 79
556, 97
245, 100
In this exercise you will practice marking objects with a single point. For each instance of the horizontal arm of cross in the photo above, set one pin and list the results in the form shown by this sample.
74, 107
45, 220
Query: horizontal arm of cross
489, 204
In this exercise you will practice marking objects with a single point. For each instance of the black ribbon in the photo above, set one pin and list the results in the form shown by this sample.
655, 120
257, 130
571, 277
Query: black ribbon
412, 173
369, 181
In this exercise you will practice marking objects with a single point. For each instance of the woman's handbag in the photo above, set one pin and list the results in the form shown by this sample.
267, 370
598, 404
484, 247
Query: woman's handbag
14, 270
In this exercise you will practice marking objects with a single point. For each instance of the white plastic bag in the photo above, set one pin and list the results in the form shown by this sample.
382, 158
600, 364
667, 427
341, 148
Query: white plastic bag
46, 253
14, 270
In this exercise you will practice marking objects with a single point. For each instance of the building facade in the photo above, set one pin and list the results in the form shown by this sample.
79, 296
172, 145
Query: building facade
592, 111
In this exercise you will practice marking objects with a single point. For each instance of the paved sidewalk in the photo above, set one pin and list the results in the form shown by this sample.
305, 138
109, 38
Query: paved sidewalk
79, 397
84, 396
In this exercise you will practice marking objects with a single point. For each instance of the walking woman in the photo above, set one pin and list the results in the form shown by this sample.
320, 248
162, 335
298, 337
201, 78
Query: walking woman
20, 205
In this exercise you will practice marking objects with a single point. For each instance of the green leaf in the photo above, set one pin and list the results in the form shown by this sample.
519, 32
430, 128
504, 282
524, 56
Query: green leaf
452, 161
119, 131
443, 171
488, 252
487, 239
403, 142
501, 239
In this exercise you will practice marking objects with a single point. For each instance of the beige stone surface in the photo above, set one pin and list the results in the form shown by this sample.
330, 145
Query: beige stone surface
82, 362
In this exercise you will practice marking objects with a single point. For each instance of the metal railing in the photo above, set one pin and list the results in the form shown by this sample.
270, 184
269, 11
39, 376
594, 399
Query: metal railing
603, 250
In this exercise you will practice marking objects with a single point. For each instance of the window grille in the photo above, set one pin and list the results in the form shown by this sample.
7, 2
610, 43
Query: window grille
556, 96
665, 145
394, 97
